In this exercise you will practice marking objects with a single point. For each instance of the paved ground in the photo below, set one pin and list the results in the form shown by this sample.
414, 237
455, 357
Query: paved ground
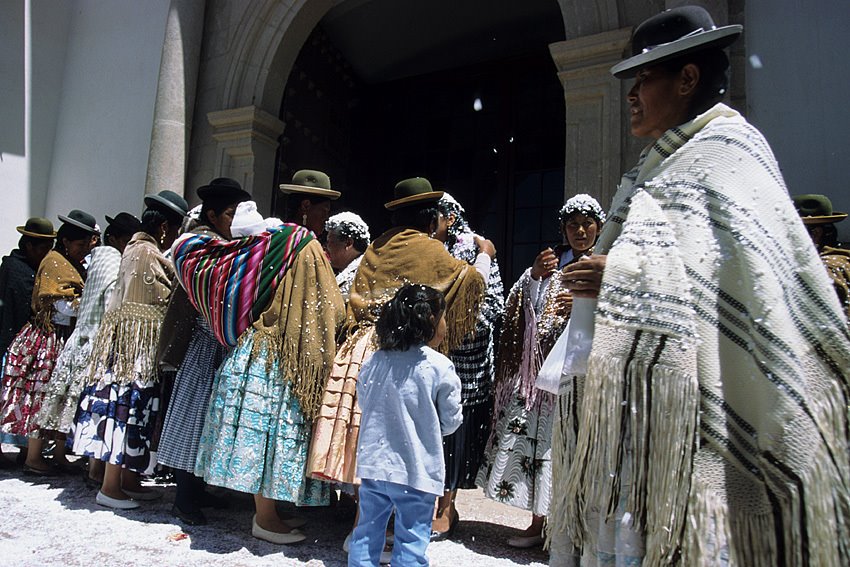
52, 522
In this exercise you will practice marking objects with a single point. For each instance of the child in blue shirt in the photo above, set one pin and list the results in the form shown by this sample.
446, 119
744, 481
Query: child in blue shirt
410, 398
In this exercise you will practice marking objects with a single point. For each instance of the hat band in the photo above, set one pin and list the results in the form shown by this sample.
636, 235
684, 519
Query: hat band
697, 31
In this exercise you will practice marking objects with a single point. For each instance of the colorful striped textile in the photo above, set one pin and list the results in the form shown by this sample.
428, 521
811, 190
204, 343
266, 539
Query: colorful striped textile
230, 282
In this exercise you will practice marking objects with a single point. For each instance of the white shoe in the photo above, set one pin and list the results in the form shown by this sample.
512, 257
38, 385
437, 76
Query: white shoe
295, 522
347, 542
293, 536
143, 496
115, 503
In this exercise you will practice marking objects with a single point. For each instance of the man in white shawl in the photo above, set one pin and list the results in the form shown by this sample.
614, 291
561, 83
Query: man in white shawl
711, 425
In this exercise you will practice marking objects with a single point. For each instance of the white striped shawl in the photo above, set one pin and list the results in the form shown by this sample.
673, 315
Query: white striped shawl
719, 369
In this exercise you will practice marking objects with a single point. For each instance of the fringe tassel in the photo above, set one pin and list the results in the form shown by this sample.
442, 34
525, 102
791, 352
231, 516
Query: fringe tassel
566, 416
618, 411
462, 314
126, 344
306, 373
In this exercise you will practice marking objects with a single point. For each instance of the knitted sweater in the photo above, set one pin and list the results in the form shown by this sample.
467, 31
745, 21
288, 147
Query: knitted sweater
410, 400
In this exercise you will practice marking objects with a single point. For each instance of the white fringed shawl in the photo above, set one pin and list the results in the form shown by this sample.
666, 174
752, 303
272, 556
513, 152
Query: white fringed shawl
719, 369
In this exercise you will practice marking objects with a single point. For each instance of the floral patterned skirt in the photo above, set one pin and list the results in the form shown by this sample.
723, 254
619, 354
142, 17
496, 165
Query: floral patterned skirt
255, 436
115, 423
29, 364
517, 467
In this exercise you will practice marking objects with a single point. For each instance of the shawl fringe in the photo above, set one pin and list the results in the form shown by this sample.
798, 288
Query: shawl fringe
617, 412
126, 344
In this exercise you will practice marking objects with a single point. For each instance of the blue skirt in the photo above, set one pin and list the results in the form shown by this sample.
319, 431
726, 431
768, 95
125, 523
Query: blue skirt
255, 436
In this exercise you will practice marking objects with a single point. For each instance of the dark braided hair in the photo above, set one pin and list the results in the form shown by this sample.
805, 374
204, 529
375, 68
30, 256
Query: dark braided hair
410, 317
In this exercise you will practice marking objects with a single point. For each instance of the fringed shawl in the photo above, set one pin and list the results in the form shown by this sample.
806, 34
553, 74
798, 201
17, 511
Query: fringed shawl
231, 282
404, 255
837, 262
718, 375
298, 328
56, 279
527, 337
125, 347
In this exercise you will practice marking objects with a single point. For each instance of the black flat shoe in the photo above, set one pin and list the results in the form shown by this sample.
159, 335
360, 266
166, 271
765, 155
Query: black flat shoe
209, 500
441, 536
193, 518
32, 471
91, 483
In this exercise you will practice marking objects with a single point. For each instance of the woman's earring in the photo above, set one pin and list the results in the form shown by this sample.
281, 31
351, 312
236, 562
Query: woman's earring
304, 219
162, 240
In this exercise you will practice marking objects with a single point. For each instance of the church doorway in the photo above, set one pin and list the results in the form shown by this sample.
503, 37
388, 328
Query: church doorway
467, 97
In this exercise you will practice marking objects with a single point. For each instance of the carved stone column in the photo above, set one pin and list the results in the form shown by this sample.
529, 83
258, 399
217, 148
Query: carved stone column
246, 146
175, 97
594, 141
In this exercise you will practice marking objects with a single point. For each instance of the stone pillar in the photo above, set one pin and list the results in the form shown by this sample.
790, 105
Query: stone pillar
594, 141
246, 147
175, 97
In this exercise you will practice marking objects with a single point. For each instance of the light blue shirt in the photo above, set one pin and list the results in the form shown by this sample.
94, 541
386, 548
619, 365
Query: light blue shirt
410, 400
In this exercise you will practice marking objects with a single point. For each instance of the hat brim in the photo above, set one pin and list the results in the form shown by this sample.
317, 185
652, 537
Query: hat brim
718, 37
824, 219
78, 224
413, 200
306, 190
23, 230
156, 200
230, 194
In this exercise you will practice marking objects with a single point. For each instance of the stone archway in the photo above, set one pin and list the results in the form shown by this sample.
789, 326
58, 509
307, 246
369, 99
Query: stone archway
250, 49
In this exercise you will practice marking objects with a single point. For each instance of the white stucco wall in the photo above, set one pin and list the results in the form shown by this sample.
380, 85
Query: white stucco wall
798, 99
105, 113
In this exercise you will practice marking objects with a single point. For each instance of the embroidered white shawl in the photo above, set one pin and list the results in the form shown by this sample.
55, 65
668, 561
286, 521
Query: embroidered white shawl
719, 370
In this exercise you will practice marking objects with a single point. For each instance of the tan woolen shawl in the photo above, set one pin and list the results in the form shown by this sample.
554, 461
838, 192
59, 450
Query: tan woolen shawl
398, 257
298, 329
56, 279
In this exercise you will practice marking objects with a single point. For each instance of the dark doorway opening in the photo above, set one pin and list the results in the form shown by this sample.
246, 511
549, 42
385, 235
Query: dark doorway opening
491, 132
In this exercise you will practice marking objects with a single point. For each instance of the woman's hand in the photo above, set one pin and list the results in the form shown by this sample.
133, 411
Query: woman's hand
484, 246
584, 278
544, 264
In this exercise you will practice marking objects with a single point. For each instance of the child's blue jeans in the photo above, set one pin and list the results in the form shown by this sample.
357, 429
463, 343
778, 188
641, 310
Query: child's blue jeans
413, 512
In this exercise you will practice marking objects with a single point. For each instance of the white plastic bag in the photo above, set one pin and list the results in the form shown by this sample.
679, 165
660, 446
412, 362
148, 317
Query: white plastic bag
569, 355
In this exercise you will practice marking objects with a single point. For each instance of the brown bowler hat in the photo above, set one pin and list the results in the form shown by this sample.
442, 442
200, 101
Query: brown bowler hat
412, 192
37, 227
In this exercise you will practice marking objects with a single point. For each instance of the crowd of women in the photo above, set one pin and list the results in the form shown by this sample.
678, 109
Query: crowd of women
699, 407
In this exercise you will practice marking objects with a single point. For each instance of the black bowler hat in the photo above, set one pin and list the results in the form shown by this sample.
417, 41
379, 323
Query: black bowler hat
223, 189
412, 191
81, 219
123, 223
671, 34
168, 202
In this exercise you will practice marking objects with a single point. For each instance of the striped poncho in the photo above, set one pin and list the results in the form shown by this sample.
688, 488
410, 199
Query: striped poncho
713, 417
251, 269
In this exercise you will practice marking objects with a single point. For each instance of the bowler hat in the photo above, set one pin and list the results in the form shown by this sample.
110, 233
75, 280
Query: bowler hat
311, 182
81, 219
223, 188
123, 223
671, 34
412, 192
816, 209
168, 202
37, 227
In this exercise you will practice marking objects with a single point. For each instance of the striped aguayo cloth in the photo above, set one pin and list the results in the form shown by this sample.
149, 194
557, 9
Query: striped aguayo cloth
251, 267
718, 379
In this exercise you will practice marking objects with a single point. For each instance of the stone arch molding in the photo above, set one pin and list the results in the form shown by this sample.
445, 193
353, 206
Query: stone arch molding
261, 51
271, 32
